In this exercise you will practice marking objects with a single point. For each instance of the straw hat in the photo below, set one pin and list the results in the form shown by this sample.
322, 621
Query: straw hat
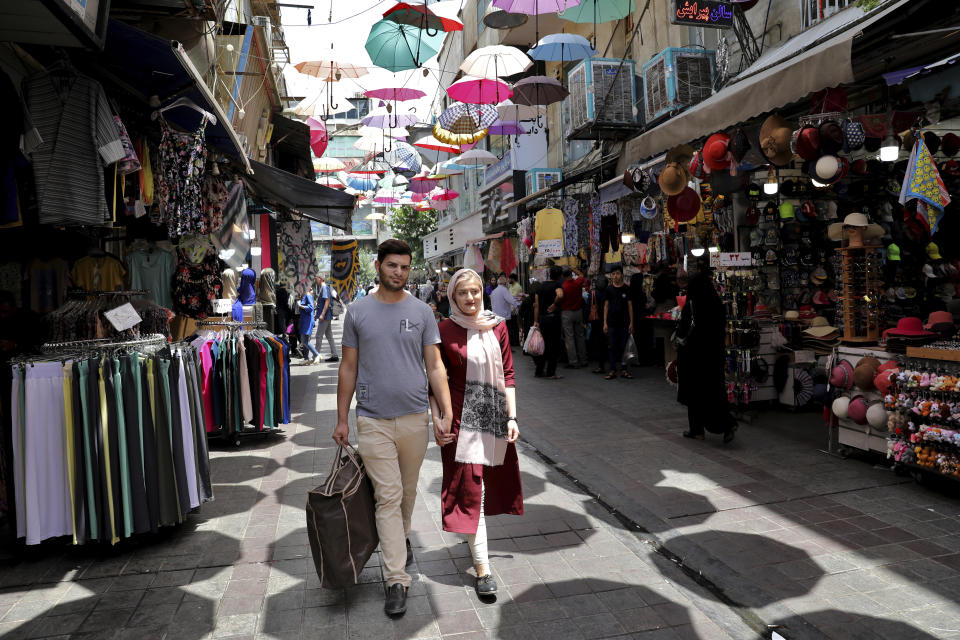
673, 179
835, 231
820, 328
775, 137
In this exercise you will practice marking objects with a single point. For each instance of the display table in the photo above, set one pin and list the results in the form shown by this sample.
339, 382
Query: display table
847, 433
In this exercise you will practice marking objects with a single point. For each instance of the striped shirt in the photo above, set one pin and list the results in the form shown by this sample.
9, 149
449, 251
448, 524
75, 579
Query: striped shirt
79, 139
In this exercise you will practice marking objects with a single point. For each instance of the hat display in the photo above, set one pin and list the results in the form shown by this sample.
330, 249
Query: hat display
831, 137
808, 209
950, 168
885, 380
853, 135
753, 191
697, 169
637, 179
842, 375
932, 141
893, 252
877, 416
775, 136
819, 298
835, 230
865, 372
680, 154
786, 211
841, 407
857, 410
806, 142
830, 168
648, 208
673, 179
756, 239
771, 258
792, 316
739, 145
683, 206
859, 167
938, 317
950, 144
770, 238
909, 326
752, 216
715, 152
933, 251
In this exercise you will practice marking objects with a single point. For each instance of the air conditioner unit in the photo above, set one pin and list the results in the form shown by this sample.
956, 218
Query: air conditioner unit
590, 82
540, 179
677, 78
264, 21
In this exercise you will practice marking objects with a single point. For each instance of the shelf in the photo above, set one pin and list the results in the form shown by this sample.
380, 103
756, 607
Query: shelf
933, 354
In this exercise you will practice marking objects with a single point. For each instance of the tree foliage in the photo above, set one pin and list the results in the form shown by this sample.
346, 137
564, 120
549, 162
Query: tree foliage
367, 271
411, 226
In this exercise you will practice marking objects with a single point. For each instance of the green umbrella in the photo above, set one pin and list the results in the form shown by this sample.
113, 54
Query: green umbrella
397, 47
597, 11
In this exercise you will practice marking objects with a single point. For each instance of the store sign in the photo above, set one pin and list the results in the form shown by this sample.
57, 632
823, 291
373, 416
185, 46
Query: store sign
736, 259
702, 13
497, 171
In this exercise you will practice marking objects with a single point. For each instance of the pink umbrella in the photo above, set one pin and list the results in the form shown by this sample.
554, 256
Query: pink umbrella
422, 184
443, 194
385, 198
318, 136
479, 90
397, 94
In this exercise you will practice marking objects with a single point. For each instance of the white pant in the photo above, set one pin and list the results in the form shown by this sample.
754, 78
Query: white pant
325, 329
478, 540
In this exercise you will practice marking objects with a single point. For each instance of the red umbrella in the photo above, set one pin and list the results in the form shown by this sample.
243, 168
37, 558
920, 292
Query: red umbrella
443, 194
418, 15
396, 94
318, 136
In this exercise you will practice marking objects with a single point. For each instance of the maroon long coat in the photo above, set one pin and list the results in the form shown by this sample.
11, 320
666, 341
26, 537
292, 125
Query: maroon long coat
460, 495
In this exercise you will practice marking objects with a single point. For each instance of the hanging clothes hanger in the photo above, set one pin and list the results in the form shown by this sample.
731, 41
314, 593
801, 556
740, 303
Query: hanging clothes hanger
186, 102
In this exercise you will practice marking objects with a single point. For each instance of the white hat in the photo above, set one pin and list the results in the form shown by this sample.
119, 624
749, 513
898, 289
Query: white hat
840, 406
877, 416
835, 231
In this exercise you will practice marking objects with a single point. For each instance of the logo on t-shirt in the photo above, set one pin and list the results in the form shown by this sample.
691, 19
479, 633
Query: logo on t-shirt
363, 392
409, 325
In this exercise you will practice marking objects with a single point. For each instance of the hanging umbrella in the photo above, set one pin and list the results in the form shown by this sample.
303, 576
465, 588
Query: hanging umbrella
562, 47
318, 136
330, 70
538, 90
535, 8
422, 183
330, 181
482, 115
448, 168
370, 168
470, 133
317, 106
396, 94
403, 157
372, 144
386, 197
423, 206
495, 61
479, 90
327, 165
597, 11
398, 47
431, 143
511, 112
361, 182
383, 119
502, 128
475, 157
443, 194
499, 19
419, 16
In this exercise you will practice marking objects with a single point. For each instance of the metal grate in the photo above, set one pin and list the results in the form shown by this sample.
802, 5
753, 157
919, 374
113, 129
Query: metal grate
619, 104
694, 79
655, 88
577, 101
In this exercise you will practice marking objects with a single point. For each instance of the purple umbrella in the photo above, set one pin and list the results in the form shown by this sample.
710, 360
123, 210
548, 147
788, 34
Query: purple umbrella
535, 8
505, 129
397, 94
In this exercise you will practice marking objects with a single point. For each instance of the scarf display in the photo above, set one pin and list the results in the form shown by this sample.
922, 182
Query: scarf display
483, 421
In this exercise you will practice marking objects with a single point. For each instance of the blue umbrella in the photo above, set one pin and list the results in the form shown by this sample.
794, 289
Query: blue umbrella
397, 47
361, 182
562, 47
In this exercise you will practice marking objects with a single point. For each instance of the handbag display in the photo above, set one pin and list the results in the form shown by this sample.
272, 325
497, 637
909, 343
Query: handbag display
341, 521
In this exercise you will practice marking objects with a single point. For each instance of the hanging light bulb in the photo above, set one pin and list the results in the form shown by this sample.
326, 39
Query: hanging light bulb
626, 238
770, 187
890, 149
697, 249
714, 249
817, 183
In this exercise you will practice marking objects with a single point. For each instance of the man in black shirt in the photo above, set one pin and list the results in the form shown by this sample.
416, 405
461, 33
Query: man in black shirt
546, 316
617, 321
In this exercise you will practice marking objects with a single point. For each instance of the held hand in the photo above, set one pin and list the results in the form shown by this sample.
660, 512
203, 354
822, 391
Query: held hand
441, 431
513, 431
630, 328
606, 329
341, 433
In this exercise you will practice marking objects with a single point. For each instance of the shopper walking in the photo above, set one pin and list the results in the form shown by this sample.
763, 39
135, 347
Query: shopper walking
617, 322
325, 319
701, 360
546, 317
481, 474
571, 318
505, 305
642, 333
305, 326
389, 338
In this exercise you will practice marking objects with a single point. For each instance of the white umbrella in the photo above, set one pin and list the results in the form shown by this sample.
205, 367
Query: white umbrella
511, 112
475, 157
326, 164
496, 61
316, 105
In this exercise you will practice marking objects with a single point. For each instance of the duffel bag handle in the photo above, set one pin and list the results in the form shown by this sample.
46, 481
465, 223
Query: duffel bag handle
352, 457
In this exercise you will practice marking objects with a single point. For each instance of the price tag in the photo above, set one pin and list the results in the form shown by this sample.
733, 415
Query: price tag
743, 259
222, 305
123, 317
550, 248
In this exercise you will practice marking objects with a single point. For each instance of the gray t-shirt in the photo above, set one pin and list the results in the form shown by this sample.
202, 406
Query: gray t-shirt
391, 380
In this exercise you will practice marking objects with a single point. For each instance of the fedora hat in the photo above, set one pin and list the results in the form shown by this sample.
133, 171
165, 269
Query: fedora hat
908, 327
835, 230
673, 179
831, 137
806, 142
684, 206
820, 327
716, 152
682, 154
937, 317
775, 135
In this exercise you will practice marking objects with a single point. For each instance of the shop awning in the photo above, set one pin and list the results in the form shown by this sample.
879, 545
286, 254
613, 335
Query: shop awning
817, 58
291, 140
306, 197
147, 65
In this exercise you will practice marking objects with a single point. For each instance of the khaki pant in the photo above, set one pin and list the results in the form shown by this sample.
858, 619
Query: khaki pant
392, 450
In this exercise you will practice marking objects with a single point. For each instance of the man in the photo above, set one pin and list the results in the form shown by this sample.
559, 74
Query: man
426, 291
443, 302
505, 305
570, 299
388, 337
617, 321
546, 318
516, 290
325, 319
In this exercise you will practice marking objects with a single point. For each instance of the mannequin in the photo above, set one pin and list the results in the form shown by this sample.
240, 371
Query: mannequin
246, 290
229, 278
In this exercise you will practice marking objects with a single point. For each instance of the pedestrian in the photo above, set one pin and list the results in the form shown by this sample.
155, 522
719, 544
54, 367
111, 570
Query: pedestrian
325, 320
617, 322
305, 326
504, 304
481, 473
546, 317
390, 351
701, 360
425, 293
570, 294
642, 333
443, 303
597, 341
516, 289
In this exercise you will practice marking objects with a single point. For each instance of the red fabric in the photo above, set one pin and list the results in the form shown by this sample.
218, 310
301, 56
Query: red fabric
206, 379
572, 294
508, 258
460, 493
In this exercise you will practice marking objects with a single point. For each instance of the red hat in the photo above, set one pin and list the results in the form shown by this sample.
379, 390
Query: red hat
808, 209
950, 144
807, 312
715, 152
859, 167
857, 411
951, 168
684, 206
753, 216
806, 142
937, 317
908, 327
885, 380
842, 375
889, 365
697, 168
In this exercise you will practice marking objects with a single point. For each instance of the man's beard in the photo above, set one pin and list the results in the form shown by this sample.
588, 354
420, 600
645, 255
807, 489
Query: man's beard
385, 282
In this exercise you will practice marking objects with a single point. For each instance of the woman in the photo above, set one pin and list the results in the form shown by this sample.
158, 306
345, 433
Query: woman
597, 342
481, 474
701, 359
305, 326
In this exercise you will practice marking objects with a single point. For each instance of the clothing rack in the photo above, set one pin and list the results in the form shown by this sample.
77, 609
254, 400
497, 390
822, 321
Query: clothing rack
73, 345
232, 324
103, 294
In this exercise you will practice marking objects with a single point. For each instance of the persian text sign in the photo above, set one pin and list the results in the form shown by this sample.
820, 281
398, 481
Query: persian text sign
702, 13
736, 259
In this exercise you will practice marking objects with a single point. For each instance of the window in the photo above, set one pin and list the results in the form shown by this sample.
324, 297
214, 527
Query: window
342, 147
816, 10
481, 10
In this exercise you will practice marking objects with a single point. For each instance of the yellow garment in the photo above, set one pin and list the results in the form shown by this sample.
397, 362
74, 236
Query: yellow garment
71, 451
516, 290
98, 273
146, 175
612, 257
549, 226
104, 429
151, 392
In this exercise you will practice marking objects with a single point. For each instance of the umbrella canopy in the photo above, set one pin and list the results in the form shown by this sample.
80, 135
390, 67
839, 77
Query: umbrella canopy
382, 119
562, 47
511, 112
371, 168
431, 143
396, 94
480, 90
447, 168
443, 194
475, 157
534, 7
330, 70
495, 61
330, 181
373, 144
386, 196
502, 128
327, 165
419, 16
317, 106
318, 136
538, 90
499, 19
403, 157
361, 182
422, 183
423, 206
463, 131
597, 11
397, 47
482, 115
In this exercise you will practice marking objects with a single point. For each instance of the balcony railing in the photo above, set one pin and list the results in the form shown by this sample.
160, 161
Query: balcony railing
815, 11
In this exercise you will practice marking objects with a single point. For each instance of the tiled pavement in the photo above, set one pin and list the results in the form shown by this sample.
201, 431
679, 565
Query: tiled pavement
241, 567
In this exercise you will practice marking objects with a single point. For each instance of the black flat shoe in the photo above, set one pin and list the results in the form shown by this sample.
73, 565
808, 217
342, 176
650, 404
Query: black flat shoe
687, 434
396, 602
730, 434
485, 586
409, 554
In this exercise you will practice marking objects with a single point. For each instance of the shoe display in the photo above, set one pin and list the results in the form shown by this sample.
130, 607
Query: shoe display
485, 585
396, 601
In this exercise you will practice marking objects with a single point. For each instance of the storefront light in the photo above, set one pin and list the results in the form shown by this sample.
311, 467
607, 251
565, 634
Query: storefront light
890, 149
626, 238
714, 249
817, 183
770, 187
697, 251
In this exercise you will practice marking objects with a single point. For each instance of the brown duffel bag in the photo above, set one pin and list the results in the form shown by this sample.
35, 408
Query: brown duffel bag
341, 521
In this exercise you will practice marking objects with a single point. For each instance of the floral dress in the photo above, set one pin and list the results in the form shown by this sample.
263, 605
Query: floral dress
196, 284
180, 181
